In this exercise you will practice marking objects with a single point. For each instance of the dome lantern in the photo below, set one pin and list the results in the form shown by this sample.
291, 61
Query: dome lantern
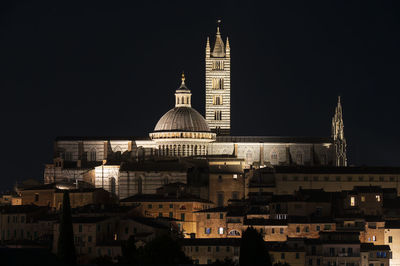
183, 96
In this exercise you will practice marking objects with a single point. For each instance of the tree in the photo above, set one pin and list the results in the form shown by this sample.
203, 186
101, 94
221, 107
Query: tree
66, 247
129, 251
253, 250
163, 250
225, 262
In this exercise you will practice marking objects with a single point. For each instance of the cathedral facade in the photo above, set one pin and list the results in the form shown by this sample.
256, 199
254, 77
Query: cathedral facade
183, 132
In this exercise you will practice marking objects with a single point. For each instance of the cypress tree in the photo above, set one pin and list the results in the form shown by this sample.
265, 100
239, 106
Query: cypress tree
66, 248
253, 251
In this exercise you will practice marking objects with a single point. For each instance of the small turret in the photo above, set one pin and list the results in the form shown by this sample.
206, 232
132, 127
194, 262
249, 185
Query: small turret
183, 95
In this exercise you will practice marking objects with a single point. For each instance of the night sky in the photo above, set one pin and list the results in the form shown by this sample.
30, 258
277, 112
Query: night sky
92, 68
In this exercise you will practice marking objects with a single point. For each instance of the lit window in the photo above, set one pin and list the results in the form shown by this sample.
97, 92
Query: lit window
217, 100
378, 198
373, 238
234, 176
221, 230
352, 201
363, 198
207, 231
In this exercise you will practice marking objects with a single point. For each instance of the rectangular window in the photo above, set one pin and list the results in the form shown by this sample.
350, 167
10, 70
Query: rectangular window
207, 230
318, 228
352, 201
282, 256
171, 215
390, 240
235, 195
160, 206
150, 206
297, 256
217, 100
36, 197
160, 214
281, 231
221, 230
362, 198
171, 206
273, 231
208, 216
80, 228
221, 216
218, 115
182, 216
220, 199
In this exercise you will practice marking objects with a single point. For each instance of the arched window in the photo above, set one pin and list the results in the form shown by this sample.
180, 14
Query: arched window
112, 185
139, 184
234, 232
274, 157
92, 155
299, 158
249, 157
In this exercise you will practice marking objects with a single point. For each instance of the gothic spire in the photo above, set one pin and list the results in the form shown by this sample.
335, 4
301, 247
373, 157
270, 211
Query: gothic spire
339, 140
219, 47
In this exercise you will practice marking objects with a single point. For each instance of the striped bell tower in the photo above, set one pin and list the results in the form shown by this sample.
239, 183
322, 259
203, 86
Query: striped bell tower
218, 85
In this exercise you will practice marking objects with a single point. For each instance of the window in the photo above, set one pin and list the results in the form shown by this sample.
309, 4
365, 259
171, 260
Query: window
160, 214
208, 216
381, 178
235, 176
221, 216
234, 233
315, 178
80, 228
160, 206
318, 262
273, 231
209, 261
318, 228
390, 239
235, 195
220, 230
349, 178
274, 157
306, 178
217, 115
378, 198
352, 201
218, 65
209, 249
228, 248
217, 84
360, 178
326, 178
282, 256
36, 197
217, 249
98, 228
338, 178
220, 178
297, 256
307, 229
89, 239
171, 206
220, 199
182, 216
68, 156
196, 248
281, 231
299, 158
327, 227
310, 262
297, 229
150, 206
92, 155
362, 198
217, 100
207, 231
373, 238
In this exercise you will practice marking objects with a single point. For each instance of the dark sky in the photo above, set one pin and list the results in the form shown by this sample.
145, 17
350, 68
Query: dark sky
110, 68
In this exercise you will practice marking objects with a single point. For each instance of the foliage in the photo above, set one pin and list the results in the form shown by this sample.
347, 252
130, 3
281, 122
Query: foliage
281, 264
225, 262
103, 260
66, 248
253, 250
162, 250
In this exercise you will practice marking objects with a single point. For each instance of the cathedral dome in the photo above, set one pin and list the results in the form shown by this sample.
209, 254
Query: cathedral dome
184, 119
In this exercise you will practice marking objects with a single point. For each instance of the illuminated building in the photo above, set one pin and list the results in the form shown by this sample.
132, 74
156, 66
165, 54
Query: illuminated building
184, 132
